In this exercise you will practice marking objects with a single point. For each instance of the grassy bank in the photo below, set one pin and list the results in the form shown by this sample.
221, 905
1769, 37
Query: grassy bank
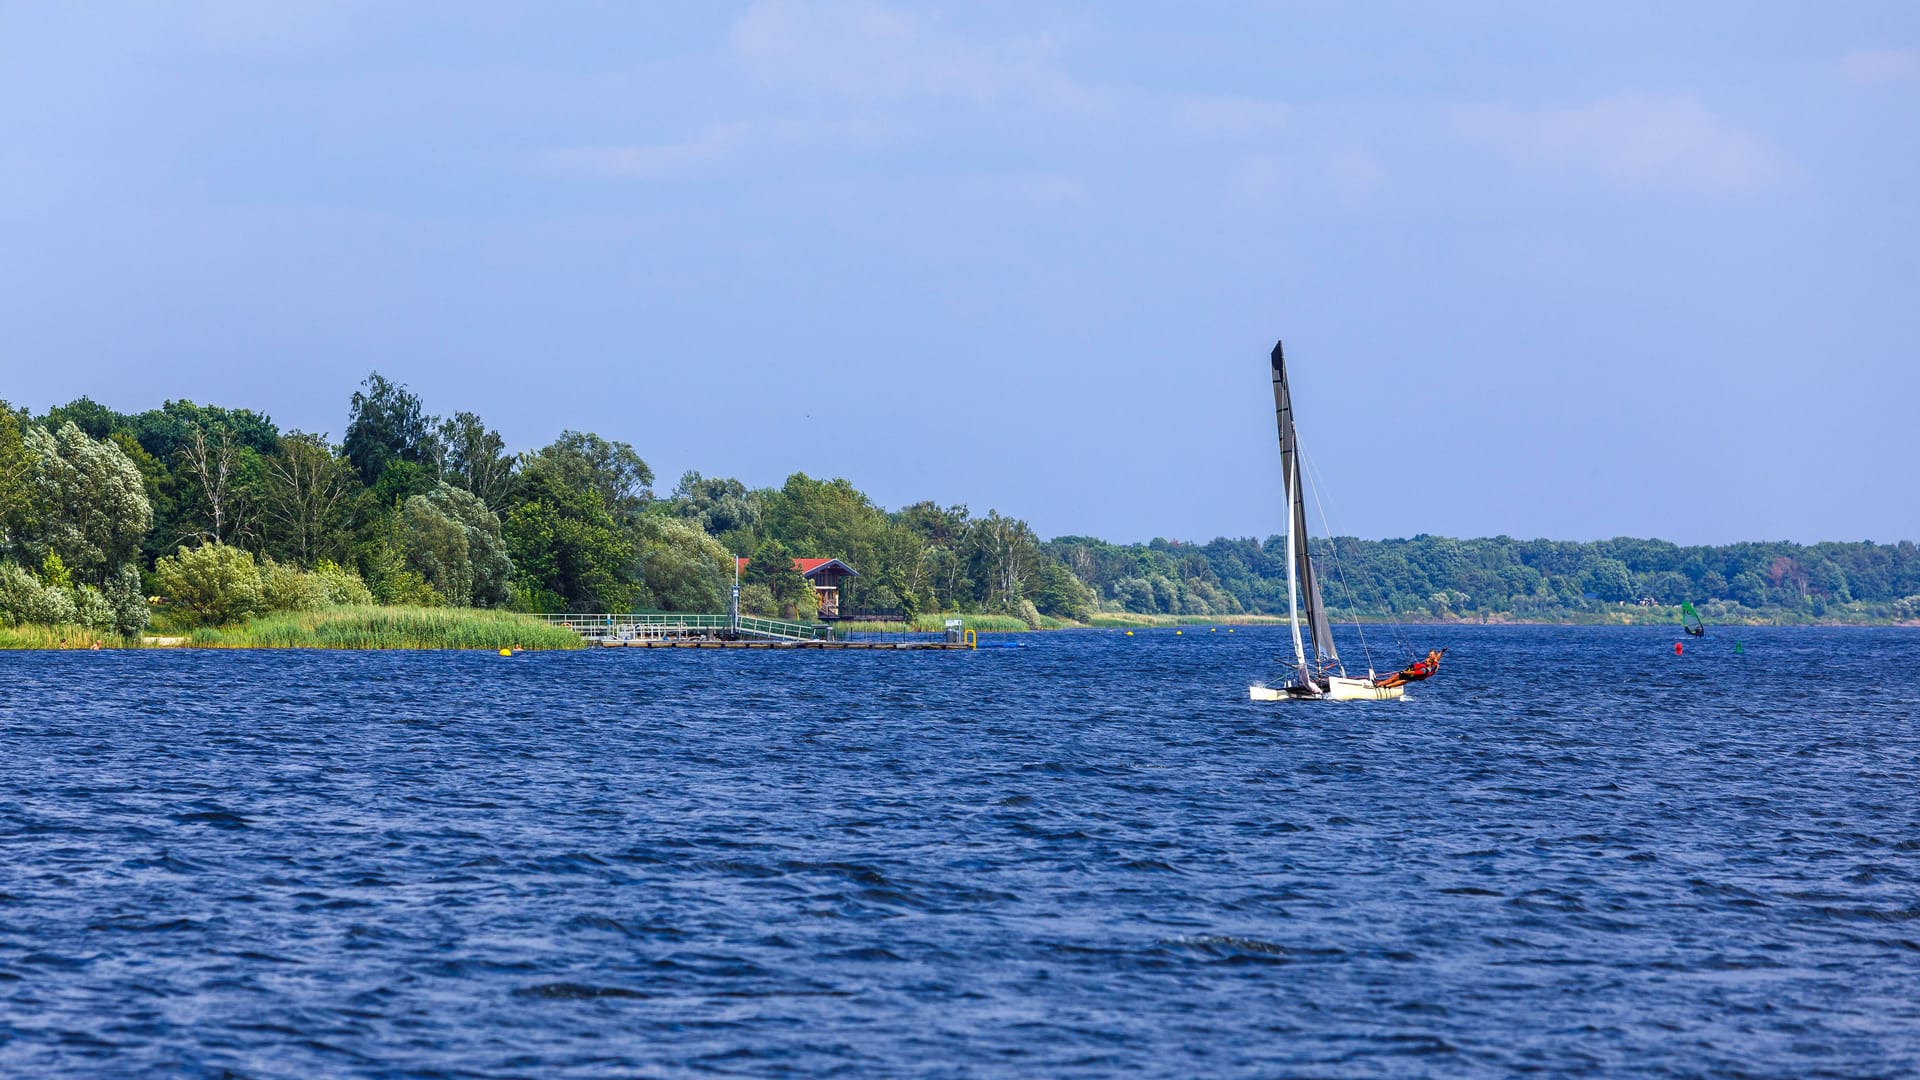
388, 628
60, 637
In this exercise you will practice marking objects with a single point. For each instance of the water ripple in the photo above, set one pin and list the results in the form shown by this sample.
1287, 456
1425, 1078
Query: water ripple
1088, 856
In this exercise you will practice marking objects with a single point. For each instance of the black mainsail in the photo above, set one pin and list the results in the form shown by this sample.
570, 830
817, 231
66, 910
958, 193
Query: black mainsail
1302, 582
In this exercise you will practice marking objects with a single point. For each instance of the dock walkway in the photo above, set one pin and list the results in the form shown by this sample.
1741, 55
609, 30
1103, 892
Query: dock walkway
677, 630
718, 643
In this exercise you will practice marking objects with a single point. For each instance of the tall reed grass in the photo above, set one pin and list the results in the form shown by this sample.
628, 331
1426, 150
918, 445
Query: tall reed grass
389, 628
60, 637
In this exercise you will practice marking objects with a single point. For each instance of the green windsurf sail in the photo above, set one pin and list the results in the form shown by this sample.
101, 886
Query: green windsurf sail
1691, 621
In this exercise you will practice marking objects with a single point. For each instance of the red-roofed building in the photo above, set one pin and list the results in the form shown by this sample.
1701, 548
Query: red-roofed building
825, 575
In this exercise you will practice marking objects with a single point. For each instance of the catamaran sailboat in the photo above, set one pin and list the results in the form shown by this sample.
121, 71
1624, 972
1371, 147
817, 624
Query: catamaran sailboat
1317, 675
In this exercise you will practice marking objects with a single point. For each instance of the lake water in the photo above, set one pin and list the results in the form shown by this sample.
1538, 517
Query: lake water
1571, 852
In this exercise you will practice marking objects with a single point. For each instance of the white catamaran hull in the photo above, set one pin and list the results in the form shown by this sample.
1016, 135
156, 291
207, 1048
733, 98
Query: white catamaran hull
1338, 689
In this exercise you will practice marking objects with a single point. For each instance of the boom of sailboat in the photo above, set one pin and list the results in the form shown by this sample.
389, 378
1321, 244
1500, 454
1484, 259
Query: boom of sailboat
1318, 674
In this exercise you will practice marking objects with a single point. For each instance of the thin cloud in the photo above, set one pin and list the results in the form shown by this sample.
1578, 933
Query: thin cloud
858, 74
1318, 177
242, 26
1634, 141
1880, 65
646, 162
866, 50
1033, 189
1235, 116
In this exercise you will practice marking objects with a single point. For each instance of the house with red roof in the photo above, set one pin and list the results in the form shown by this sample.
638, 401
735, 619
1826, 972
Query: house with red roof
825, 575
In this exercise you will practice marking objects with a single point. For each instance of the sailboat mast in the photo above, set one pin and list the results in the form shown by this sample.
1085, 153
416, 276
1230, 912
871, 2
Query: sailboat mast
1290, 470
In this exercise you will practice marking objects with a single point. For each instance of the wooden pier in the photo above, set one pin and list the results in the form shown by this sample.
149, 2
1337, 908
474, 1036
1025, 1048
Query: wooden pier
672, 630
717, 643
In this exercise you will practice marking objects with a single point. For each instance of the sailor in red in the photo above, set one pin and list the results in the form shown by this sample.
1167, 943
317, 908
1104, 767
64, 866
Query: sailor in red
1418, 670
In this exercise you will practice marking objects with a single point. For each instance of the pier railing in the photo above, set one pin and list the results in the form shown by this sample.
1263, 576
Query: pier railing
654, 626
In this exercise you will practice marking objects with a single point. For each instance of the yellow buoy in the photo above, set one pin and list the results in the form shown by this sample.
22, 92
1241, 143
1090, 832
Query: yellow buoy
1177, 633
1213, 630
506, 652
1129, 633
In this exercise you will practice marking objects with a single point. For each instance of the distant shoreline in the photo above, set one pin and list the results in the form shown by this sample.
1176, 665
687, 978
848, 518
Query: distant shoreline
376, 628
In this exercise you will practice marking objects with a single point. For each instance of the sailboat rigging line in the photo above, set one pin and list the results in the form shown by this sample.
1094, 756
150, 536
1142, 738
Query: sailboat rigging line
1340, 574
1399, 639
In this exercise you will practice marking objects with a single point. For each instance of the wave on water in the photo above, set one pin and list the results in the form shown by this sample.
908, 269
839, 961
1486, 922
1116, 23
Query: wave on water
1571, 853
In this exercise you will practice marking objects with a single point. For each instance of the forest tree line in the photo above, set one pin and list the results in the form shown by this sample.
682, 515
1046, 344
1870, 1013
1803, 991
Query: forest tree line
224, 514
221, 512
1440, 577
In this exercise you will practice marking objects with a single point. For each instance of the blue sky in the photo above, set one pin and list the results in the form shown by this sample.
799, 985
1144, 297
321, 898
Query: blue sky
1544, 270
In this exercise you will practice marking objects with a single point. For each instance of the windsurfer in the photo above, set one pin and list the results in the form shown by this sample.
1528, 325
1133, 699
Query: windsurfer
1418, 670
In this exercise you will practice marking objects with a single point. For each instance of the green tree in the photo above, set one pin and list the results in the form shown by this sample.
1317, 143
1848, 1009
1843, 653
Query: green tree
1006, 559
385, 424
454, 542
721, 506
305, 499
436, 548
387, 563
477, 458
219, 584
1060, 594
611, 470
97, 420
206, 467
771, 568
90, 506
567, 551
491, 566
681, 568
17, 514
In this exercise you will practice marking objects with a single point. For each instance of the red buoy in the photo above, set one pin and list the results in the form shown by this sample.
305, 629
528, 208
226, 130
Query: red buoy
1677, 650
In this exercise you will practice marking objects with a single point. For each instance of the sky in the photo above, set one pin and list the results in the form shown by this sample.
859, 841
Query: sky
1565, 271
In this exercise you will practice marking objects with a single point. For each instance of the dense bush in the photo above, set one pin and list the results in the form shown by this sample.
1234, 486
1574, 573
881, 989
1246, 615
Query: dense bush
339, 586
219, 584
25, 599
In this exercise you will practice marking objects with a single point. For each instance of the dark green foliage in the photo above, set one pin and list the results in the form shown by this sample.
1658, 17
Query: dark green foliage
568, 553
611, 470
476, 458
88, 415
721, 506
17, 510
1060, 593
387, 424
1544, 579
455, 544
771, 566
400, 481
680, 567
306, 496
